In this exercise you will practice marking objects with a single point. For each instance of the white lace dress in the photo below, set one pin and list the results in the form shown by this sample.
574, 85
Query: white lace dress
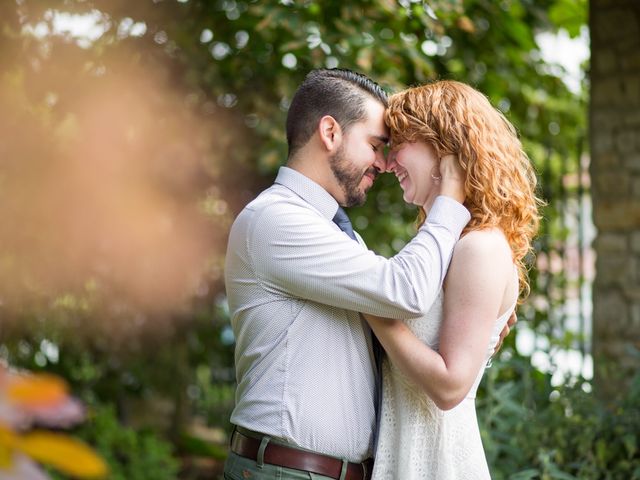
417, 440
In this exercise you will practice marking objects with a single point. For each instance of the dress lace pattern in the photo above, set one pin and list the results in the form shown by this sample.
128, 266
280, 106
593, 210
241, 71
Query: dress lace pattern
417, 440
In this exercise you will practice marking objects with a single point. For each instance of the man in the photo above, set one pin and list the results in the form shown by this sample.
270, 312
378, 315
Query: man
306, 397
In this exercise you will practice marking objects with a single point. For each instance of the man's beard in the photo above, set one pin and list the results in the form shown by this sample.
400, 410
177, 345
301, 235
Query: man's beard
349, 178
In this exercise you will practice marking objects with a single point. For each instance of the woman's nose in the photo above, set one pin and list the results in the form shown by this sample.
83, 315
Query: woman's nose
391, 161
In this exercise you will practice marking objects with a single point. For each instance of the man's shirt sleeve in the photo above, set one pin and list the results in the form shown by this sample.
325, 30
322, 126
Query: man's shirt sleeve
295, 252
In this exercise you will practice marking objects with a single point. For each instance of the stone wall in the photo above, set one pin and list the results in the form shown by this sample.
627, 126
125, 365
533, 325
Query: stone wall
615, 174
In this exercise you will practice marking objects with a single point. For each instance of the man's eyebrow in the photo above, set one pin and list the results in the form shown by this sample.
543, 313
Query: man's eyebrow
381, 138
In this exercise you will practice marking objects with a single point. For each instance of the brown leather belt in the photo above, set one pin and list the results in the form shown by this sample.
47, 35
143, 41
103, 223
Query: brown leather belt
290, 457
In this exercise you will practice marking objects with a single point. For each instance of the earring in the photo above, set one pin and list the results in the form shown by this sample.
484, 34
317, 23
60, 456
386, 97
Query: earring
436, 178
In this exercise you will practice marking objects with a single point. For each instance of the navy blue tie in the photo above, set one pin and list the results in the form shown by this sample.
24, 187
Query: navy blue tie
342, 220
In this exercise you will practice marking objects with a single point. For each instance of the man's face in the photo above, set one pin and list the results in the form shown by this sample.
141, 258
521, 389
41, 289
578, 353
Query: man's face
361, 155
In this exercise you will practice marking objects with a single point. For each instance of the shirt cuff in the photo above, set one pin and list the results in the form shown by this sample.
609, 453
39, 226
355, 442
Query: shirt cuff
450, 214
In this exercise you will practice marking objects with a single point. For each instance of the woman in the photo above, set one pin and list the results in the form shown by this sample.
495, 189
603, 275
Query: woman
428, 425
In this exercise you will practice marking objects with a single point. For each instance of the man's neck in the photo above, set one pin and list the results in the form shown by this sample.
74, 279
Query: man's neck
317, 169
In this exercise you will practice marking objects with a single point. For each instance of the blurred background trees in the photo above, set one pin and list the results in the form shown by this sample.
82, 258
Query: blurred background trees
133, 132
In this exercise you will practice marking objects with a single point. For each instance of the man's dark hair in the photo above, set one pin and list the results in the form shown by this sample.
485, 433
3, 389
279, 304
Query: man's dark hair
337, 92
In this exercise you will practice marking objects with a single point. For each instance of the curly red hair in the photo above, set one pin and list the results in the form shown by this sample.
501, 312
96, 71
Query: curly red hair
500, 181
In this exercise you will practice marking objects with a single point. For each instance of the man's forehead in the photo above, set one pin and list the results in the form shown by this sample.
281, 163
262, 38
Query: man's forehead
375, 109
374, 121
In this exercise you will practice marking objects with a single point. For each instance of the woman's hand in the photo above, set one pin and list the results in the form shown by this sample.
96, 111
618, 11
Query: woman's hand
453, 177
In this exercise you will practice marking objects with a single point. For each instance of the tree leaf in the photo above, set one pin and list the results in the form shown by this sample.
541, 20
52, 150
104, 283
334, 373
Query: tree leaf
570, 15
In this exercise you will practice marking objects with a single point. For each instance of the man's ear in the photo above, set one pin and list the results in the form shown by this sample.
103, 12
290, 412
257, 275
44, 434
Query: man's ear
330, 133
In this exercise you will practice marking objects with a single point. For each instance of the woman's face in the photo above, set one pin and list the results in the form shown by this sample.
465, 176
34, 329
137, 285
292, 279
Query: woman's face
415, 165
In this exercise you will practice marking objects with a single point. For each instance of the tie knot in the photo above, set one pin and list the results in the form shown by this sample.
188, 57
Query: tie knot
342, 220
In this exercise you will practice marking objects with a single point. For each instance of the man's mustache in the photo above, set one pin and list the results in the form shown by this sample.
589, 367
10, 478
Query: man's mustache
373, 172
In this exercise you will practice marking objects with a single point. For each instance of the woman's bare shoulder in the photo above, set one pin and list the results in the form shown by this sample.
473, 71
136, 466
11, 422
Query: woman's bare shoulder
490, 242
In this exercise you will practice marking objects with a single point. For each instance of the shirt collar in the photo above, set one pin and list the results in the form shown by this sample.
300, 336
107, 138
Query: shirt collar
308, 190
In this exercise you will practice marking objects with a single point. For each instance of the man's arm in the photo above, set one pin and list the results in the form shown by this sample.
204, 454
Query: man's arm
296, 253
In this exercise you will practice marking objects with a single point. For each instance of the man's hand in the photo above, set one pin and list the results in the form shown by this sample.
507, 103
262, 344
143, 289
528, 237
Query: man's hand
505, 331
453, 176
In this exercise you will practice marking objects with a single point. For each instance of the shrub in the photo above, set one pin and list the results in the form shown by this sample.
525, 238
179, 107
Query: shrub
131, 454
532, 430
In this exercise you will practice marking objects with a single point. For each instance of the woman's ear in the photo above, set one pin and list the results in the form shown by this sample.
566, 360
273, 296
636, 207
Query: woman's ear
330, 133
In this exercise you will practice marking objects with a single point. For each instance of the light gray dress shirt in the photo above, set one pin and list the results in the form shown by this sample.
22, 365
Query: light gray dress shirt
295, 284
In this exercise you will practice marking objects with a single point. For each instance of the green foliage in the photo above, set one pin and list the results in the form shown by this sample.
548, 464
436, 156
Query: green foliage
131, 454
532, 430
570, 15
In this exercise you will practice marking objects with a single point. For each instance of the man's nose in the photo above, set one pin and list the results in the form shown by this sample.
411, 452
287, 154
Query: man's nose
380, 163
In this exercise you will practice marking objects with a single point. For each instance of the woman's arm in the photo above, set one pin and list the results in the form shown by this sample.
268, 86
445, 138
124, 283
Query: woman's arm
480, 272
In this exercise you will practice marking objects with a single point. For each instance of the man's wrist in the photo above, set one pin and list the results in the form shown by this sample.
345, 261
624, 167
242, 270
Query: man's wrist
449, 213
453, 191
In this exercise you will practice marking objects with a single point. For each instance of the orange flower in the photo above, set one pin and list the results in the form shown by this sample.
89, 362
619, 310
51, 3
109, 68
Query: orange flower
25, 399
